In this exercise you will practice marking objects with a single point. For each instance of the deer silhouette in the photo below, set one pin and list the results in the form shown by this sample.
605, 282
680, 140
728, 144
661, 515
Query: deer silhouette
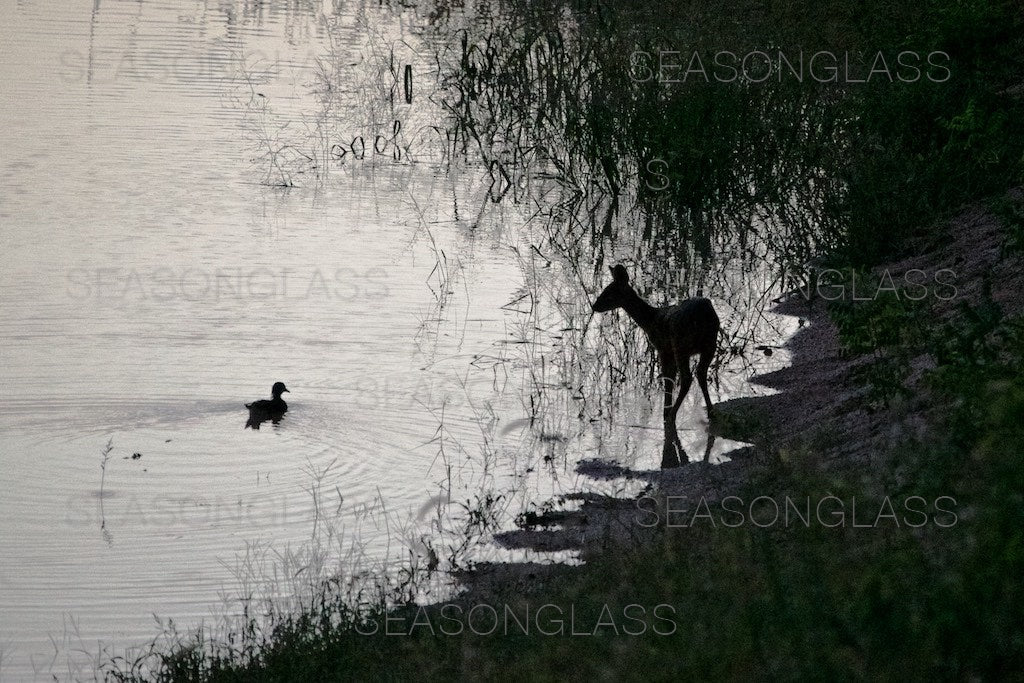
676, 333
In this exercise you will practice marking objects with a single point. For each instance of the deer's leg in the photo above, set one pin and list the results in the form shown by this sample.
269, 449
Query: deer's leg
672, 453
668, 382
669, 374
710, 444
702, 378
685, 379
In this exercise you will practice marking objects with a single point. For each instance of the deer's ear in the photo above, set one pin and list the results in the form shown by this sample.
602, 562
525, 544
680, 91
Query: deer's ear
619, 274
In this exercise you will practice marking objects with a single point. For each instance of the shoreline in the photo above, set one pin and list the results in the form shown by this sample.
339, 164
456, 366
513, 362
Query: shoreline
819, 410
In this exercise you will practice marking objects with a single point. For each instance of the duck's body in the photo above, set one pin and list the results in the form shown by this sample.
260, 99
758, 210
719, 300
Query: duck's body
264, 409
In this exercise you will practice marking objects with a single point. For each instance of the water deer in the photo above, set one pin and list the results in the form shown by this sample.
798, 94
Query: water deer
676, 333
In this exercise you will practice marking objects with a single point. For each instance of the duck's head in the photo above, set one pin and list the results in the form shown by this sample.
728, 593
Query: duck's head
278, 389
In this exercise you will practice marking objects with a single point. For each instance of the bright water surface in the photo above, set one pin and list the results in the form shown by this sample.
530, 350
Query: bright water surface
151, 284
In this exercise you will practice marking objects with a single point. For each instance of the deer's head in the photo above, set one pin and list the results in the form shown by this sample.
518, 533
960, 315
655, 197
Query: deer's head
614, 295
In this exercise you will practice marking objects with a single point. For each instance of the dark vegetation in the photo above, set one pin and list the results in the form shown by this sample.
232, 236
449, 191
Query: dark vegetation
853, 174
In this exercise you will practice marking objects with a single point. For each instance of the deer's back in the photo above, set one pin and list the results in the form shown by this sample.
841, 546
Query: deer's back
691, 327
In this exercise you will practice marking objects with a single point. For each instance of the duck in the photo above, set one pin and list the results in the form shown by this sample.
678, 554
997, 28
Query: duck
273, 409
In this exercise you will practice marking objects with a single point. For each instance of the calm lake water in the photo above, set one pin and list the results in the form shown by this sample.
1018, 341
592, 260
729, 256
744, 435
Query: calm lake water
152, 283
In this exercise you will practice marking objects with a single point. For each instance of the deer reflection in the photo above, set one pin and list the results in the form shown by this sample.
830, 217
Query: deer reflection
673, 454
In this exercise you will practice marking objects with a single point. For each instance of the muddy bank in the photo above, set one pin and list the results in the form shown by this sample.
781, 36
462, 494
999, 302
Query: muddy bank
821, 410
